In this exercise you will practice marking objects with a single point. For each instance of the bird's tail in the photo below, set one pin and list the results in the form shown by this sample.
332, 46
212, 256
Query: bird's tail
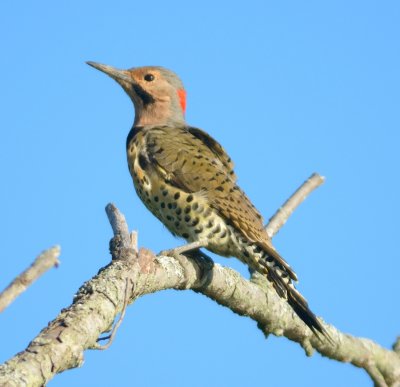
282, 276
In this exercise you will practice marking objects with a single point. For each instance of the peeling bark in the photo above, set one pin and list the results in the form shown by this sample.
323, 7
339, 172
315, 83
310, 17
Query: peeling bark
132, 273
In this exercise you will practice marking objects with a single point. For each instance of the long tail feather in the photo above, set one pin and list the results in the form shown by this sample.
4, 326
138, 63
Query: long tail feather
281, 278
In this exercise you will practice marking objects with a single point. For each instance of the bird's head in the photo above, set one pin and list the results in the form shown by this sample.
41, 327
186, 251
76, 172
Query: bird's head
157, 93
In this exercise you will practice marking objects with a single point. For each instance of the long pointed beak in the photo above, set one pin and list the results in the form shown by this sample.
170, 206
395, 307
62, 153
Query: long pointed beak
114, 73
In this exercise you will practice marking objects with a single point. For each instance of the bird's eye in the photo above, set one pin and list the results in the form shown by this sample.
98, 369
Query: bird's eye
149, 77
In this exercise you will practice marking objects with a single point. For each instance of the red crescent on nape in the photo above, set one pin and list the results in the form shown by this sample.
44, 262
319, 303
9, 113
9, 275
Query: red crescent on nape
182, 99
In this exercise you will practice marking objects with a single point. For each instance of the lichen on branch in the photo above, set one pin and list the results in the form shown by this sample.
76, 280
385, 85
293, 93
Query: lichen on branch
132, 274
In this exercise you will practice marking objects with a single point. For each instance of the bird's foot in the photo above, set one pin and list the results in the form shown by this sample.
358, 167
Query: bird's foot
183, 249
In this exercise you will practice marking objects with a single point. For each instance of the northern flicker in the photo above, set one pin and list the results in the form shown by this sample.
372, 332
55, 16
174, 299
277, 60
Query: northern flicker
186, 179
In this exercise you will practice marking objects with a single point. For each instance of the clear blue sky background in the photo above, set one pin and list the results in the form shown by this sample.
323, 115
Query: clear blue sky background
289, 88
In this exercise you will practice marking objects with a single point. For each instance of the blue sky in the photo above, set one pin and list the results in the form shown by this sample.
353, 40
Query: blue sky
288, 88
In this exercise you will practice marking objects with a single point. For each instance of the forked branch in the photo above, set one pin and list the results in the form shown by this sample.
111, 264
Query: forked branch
60, 346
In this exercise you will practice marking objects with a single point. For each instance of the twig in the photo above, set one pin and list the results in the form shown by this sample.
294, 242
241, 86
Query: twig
41, 264
376, 376
111, 337
283, 214
119, 226
122, 246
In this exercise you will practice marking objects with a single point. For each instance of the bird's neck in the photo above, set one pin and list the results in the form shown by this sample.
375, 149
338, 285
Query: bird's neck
160, 113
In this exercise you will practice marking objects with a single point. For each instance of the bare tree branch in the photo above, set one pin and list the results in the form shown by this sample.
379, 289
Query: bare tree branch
282, 215
45, 261
60, 346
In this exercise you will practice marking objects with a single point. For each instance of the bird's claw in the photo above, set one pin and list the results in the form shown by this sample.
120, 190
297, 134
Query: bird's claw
169, 253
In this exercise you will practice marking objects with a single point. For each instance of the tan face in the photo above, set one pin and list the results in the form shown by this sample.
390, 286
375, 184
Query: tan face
157, 93
149, 83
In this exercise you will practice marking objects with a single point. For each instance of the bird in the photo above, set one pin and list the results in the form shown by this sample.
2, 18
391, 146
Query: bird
186, 179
